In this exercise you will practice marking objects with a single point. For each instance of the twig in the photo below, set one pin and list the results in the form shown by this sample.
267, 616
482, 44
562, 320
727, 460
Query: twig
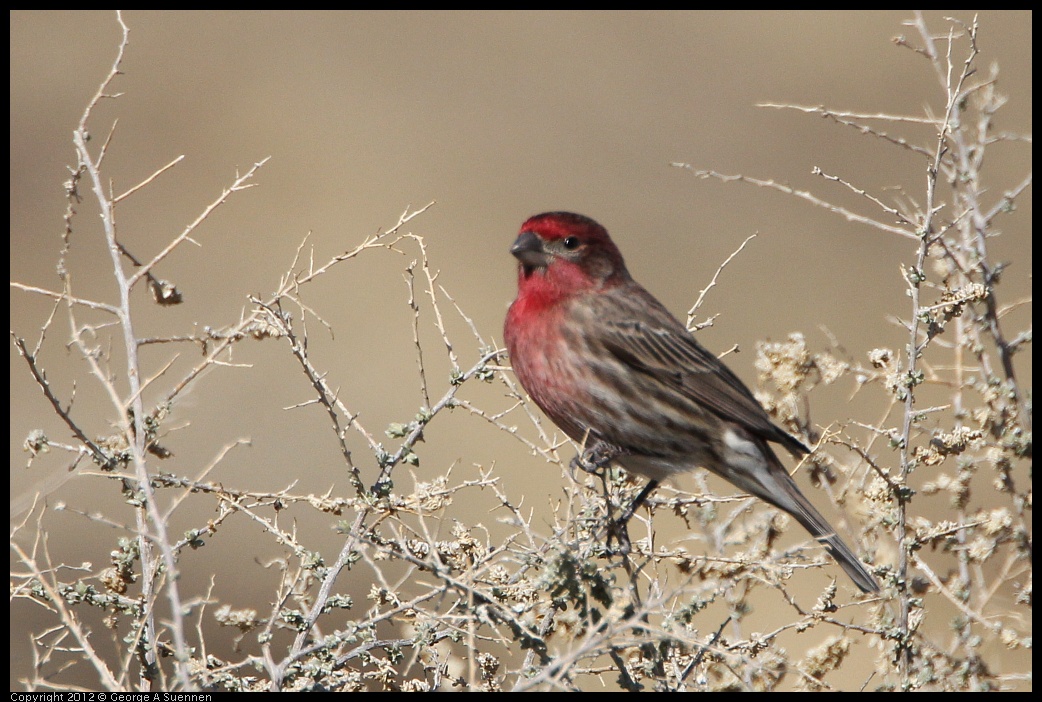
802, 194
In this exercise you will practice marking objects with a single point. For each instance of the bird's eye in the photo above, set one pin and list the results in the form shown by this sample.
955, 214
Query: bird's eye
571, 243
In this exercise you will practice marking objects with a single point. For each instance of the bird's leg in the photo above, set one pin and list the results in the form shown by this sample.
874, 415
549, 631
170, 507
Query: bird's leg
594, 460
638, 501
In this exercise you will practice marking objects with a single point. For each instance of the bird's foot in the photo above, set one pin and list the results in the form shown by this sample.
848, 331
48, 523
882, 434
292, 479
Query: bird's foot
596, 458
618, 531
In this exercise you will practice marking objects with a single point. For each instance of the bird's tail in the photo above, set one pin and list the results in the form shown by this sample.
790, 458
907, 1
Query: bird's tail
776, 487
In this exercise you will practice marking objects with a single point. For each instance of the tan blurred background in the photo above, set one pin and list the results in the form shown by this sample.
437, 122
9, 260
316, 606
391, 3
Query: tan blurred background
496, 116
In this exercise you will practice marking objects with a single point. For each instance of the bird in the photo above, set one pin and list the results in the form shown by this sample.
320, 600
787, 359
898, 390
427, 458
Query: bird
623, 377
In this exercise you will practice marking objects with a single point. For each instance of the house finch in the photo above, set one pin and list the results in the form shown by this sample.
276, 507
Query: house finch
615, 370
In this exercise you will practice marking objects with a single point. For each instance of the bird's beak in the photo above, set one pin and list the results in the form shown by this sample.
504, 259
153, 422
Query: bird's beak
528, 249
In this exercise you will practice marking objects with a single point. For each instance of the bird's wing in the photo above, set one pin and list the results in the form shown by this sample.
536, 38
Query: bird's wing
664, 350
